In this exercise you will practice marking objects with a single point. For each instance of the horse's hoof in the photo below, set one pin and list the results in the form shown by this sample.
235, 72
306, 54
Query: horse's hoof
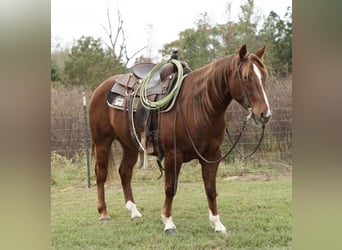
171, 231
105, 218
222, 232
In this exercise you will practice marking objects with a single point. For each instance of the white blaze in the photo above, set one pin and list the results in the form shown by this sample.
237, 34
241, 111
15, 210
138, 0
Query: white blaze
258, 73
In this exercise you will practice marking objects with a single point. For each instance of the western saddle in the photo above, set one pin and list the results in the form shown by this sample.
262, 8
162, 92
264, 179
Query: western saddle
125, 95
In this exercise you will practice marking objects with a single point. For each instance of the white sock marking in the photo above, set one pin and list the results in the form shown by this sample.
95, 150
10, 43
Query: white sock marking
168, 222
132, 208
216, 223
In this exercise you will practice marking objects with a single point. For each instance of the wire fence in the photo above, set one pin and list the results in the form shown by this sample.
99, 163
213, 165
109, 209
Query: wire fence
69, 137
277, 140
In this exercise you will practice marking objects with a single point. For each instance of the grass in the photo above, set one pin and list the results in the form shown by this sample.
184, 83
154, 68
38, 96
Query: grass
257, 213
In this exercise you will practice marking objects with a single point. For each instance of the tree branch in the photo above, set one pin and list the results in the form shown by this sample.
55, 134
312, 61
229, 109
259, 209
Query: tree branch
120, 33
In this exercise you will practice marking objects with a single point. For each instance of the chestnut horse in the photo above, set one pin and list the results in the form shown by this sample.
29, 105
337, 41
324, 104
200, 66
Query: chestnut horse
201, 106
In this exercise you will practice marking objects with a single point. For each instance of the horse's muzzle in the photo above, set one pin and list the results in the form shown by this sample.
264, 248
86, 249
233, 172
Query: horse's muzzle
264, 118
261, 117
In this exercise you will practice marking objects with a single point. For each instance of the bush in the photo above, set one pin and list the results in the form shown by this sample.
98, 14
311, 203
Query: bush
68, 172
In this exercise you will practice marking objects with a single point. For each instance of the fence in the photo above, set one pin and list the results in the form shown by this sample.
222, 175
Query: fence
68, 126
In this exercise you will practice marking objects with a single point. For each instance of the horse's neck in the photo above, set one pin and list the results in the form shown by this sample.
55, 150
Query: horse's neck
217, 86
207, 93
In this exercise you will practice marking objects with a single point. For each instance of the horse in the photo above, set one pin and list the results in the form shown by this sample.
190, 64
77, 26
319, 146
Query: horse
192, 129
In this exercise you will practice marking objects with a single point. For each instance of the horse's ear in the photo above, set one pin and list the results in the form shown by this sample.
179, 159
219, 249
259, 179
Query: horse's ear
261, 52
243, 52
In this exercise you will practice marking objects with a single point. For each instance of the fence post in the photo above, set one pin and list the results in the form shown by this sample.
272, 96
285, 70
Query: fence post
86, 136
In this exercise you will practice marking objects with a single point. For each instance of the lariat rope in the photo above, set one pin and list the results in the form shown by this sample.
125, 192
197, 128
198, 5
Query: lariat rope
166, 100
154, 105
142, 88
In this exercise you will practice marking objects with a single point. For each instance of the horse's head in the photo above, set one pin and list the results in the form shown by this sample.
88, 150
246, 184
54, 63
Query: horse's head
247, 82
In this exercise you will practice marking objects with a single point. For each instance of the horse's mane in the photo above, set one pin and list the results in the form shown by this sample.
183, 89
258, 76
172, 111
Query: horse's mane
210, 84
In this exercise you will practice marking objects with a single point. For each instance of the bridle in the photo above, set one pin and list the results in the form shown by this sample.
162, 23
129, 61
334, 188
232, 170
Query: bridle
250, 114
246, 101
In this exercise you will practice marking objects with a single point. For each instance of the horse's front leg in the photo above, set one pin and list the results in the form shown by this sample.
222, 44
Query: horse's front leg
209, 177
172, 168
126, 170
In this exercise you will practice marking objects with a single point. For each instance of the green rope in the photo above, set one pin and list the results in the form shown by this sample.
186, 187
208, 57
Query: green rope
163, 102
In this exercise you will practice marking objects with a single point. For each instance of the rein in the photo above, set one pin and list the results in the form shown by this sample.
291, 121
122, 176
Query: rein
255, 149
233, 144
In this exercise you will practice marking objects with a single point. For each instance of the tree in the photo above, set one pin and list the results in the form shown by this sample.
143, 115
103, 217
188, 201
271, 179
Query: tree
90, 60
58, 57
277, 34
118, 47
235, 34
55, 71
206, 42
247, 26
89, 64
196, 46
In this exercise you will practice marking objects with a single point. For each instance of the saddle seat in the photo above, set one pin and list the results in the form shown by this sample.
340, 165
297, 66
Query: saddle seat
140, 70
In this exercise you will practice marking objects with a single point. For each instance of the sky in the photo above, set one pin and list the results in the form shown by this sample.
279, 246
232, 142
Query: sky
150, 23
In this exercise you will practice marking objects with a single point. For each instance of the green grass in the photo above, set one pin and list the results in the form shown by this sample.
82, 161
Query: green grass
257, 213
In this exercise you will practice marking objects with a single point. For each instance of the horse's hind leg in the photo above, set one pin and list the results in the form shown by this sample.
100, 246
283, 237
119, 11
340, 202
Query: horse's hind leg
126, 170
209, 177
102, 153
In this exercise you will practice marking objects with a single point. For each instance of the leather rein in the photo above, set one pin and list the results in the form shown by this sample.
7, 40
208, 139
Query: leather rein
248, 117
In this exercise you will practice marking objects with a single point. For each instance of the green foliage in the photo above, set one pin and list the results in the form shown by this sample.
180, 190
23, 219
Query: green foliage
205, 42
55, 71
197, 46
277, 34
247, 27
89, 64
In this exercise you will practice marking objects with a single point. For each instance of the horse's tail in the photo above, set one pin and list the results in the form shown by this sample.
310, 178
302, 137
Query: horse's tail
111, 166
111, 170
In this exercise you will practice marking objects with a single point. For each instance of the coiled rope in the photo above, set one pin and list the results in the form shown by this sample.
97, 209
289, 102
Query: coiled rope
153, 105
